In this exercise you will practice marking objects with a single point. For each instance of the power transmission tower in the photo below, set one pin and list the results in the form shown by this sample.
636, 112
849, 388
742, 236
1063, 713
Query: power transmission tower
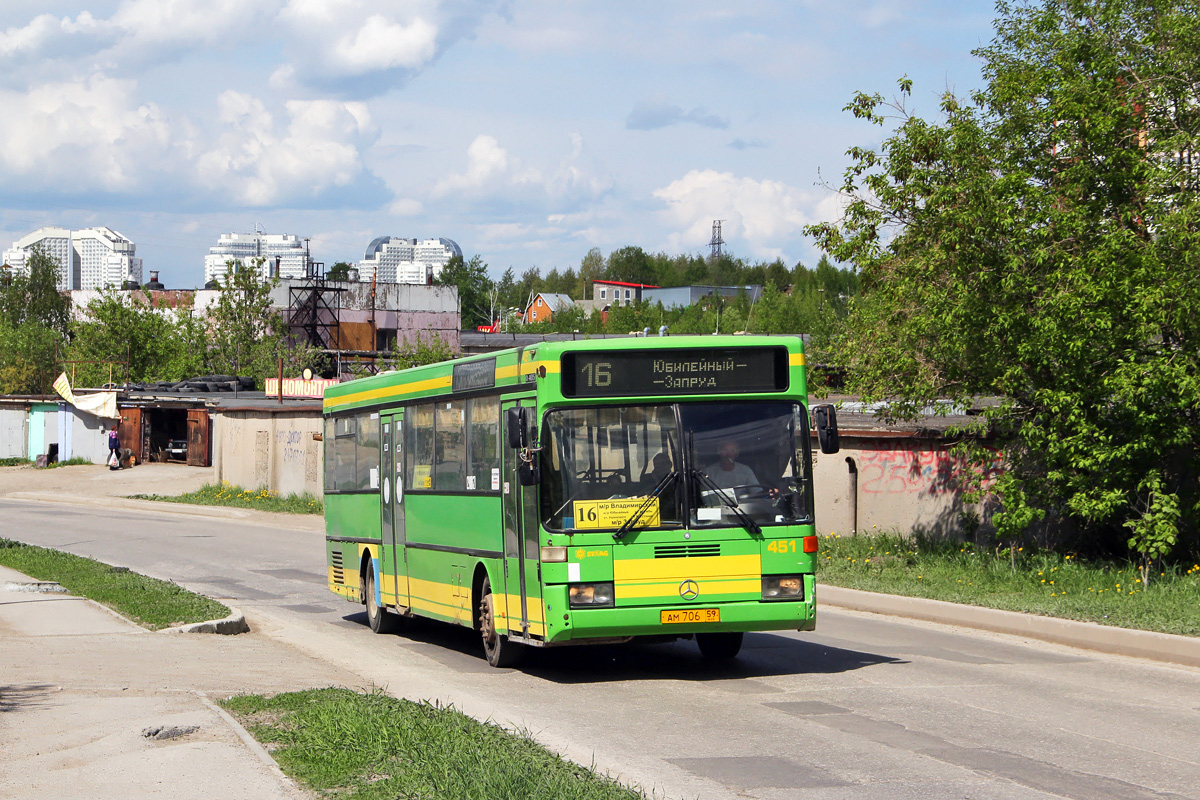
716, 241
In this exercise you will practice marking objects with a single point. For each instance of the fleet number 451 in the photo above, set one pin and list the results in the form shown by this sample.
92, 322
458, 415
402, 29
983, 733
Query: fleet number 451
782, 546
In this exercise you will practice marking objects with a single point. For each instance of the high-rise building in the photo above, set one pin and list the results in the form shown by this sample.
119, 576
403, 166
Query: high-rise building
284, 255
92, 258
391, 259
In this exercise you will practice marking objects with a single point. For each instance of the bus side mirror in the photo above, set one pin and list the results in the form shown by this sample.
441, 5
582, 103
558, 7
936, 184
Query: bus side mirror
516, 427
825, 418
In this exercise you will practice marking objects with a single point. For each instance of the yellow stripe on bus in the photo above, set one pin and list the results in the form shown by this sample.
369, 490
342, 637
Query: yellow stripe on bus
443, 599
708, 587
442, 382
533, 606
796, 359
649, 569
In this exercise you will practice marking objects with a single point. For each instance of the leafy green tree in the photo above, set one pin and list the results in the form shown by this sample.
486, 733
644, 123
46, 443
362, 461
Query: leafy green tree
158, 342
248, 335
474, 289
340, 271
591, 268
1039, 242
32, 295
630, 264
420, 351
33, 325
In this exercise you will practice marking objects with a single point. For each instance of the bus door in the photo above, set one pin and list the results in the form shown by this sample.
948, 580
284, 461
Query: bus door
394, 558
522, 570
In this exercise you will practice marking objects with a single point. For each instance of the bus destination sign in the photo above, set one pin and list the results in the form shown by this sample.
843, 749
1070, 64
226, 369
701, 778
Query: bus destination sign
724, 370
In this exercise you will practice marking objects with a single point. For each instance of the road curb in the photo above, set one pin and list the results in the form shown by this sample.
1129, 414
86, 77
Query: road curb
233, 624
1165, 647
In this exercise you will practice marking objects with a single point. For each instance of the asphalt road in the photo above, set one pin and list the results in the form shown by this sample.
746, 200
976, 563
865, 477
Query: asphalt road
866, 707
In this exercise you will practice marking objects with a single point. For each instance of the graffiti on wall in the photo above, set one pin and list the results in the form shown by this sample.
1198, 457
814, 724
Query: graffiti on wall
911, 469
291, 446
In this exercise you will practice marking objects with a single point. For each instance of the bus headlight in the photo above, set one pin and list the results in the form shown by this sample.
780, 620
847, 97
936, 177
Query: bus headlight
591, 595
783, 587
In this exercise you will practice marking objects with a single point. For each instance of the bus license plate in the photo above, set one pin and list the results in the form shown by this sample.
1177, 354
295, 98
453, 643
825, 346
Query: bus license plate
690, 615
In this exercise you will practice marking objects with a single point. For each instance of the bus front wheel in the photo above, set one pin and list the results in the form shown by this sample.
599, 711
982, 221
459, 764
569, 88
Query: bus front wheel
377, 617
719, 646
499, 650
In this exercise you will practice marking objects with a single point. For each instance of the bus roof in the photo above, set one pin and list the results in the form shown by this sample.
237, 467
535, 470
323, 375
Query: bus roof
521, 365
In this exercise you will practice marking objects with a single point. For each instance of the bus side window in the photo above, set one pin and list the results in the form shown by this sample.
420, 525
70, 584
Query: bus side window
419, 456
367, 452
344, 471
483, 447
450, 422
328, 443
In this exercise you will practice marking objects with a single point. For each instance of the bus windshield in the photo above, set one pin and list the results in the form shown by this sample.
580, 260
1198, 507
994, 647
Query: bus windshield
694, 465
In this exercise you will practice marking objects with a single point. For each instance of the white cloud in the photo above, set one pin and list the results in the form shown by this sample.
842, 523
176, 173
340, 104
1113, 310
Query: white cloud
493, 175
138, 30
85, 136
190, 22
487, 162
406, 207
258, 165
382, 44
368, 46
767, 215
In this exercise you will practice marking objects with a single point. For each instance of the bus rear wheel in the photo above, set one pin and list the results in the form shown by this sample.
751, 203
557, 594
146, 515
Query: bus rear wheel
719, 646
377, 616
500, 652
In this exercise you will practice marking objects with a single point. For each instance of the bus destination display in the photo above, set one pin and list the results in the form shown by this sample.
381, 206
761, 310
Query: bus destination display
672, 372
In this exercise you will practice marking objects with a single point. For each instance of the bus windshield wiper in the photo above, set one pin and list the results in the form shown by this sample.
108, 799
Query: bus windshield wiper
747, 523
666, 481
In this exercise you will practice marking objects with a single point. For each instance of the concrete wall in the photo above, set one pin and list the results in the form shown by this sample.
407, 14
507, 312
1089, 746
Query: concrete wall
88, 436
903, 483
272, 450
14, 431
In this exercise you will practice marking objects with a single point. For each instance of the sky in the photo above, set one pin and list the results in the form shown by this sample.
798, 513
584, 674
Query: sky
528, 131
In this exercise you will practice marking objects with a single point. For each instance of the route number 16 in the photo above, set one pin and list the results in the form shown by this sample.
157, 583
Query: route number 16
598, 374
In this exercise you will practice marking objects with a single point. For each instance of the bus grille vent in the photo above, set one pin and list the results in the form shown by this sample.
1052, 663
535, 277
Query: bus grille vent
336, 562
686, 550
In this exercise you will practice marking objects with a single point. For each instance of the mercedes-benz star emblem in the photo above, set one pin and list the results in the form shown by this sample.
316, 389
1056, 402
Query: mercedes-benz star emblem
689, 590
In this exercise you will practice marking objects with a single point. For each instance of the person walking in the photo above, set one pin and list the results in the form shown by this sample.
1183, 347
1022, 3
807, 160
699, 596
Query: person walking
114, 447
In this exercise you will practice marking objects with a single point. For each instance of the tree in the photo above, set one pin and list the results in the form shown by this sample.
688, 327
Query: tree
248, 334
159, 343
1039, 242
591, 268
33, 325
630, 264
32, 295
340, 271
474, 289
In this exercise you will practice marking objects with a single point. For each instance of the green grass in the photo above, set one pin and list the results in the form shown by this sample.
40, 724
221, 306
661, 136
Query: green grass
152, 603
369, 746
70, 462
1031, 582
225, 494
14, 462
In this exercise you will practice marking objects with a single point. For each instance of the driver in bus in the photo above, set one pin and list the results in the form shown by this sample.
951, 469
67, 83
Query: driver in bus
660, 466
728, 472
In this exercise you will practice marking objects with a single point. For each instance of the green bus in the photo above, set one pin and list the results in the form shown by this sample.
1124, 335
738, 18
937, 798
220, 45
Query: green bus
581, 492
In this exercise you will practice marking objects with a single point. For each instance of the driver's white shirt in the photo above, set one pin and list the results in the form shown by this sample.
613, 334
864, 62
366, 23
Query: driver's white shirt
740, 475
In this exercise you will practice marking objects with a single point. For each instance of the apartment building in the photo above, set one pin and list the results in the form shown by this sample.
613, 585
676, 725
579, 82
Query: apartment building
91, 258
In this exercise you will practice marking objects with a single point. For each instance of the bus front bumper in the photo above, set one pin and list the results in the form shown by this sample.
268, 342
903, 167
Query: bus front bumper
749, 615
